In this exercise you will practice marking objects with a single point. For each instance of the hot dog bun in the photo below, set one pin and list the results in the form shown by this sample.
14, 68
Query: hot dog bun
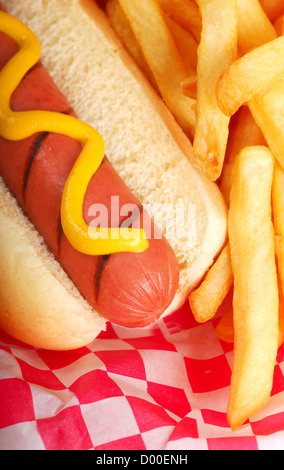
146, 147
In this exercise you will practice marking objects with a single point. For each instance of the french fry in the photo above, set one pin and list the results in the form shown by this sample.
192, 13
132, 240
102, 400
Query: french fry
272, 8
163, 58
281, 312
243, 132
207, 298
279, 25
123, 30
255, 299
281, 318
225, 327
217, 49
278, 217
250, 74
267, 108
254, 27
184, 12
186, 45
189, 86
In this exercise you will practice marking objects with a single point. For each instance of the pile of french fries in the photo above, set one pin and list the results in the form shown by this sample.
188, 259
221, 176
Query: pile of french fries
219, 67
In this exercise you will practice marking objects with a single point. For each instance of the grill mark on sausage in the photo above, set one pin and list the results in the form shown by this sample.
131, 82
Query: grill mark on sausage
100, 267
59, 234
34, 150
104, 258
36, 146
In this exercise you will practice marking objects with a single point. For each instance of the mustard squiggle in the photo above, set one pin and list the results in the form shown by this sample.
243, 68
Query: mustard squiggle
20, 125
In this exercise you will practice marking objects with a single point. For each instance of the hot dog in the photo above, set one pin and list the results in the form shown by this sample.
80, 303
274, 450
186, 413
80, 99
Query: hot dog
130, 289
110, 283
43, 163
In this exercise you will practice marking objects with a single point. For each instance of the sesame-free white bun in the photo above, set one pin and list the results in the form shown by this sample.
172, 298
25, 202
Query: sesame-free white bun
38, 302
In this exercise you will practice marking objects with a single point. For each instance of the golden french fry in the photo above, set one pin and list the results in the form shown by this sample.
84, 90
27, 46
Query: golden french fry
281, 318
225, 327
255, 299
254, 27
278, 217
123, 30
243, 132
163, 58
186, 45
250, 74
184, 12
219, 33
279, 25
281, 311
267, 108
189, 86
207, 298
272, 8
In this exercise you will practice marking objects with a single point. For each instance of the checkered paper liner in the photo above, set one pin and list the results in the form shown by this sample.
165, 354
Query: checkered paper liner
164, 387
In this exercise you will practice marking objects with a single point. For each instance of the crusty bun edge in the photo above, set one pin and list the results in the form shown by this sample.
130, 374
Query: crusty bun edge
211, 243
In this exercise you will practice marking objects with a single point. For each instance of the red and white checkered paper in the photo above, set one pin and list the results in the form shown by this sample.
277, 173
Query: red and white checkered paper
164, 387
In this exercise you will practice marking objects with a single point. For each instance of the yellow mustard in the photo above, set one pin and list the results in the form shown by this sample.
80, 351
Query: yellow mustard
20, 125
